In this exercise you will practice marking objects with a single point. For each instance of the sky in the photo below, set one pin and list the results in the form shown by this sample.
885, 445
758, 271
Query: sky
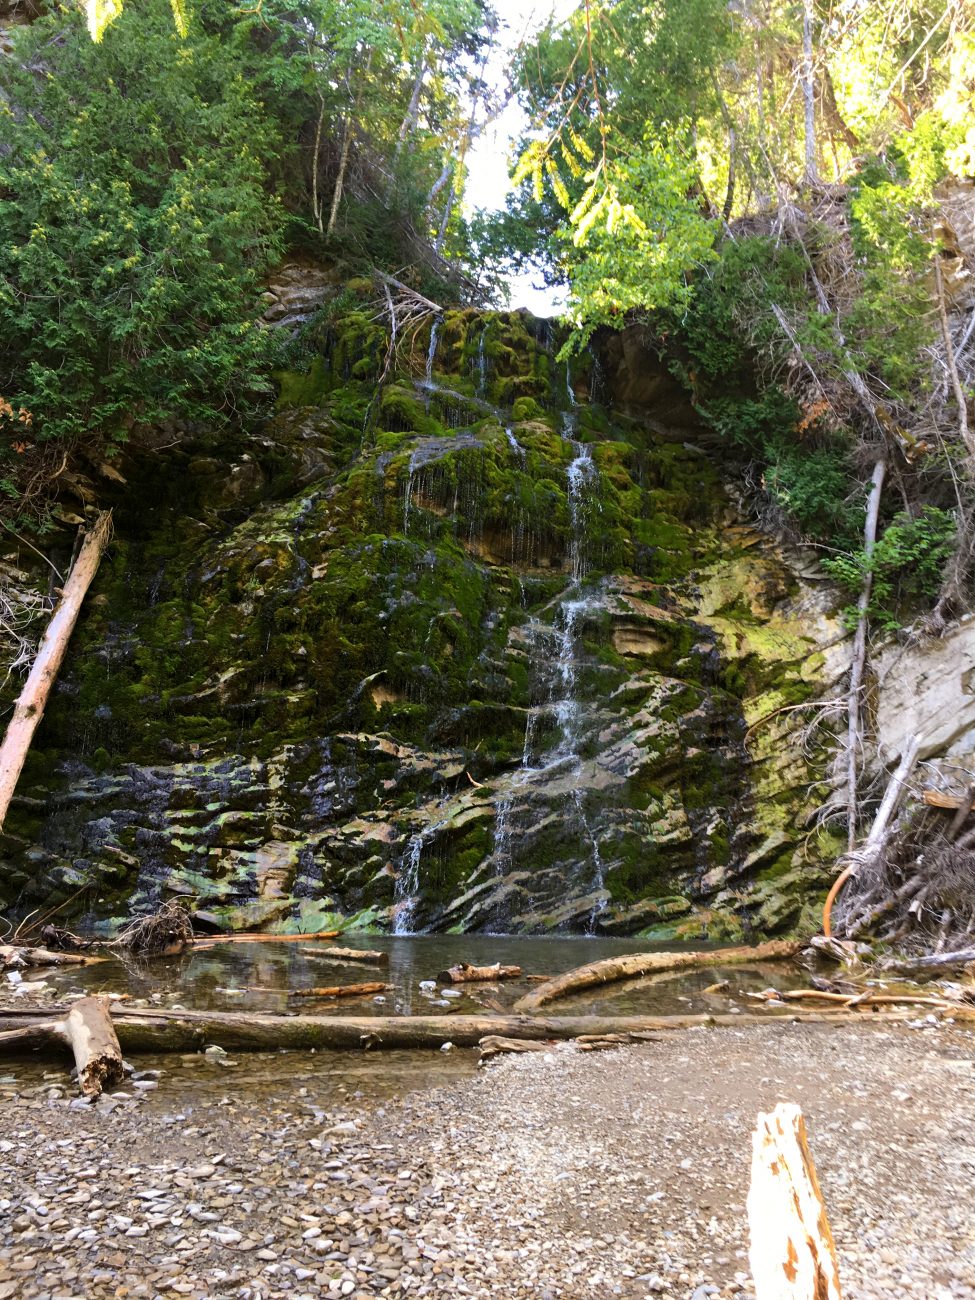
489, 162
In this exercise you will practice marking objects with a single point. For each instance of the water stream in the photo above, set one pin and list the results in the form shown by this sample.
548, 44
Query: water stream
556, 652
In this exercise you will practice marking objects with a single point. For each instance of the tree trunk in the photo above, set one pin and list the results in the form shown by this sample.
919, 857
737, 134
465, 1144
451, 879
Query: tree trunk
29, 708
809, 93
854, 726
465, 974
791, 1253
316, 205
647, 963
333, 215
873, 846
189, 1031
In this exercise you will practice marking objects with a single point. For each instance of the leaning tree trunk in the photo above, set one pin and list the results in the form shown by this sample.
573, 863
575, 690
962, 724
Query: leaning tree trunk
854, 728
29, 708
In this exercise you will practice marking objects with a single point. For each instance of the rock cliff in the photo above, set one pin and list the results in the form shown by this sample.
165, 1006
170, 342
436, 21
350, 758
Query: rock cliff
490, 649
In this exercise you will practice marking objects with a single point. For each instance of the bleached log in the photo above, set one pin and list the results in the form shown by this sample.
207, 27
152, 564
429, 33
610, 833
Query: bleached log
90, 1033
792, 1254
633, 965
14, 956
31, 702
463, 973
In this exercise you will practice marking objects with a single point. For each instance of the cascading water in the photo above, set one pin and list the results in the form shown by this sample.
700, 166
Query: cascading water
432, 349
482, 363
556, 652
407, 893
513, 442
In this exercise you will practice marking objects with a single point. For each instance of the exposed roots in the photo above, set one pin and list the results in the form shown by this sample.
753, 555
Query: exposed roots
169, 927
918, 895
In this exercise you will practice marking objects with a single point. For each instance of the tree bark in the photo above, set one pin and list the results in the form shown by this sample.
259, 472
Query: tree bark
466, 974
791, 1253
188, 1031
858, 654
647, 963
316, 205
29, 708
809, 92
333, 215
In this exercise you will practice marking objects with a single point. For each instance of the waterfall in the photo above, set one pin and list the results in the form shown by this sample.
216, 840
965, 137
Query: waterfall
513, 442
482, 363
414, 464
582, 475
407, 893
556, 650
432, 349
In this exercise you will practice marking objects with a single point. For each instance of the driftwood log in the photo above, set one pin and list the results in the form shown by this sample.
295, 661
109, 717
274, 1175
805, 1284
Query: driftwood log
371, 957
16, 957
200, 942
29, 708
89, 1031
342, 990
150, 1030
636, 964
464, 973
792, 1255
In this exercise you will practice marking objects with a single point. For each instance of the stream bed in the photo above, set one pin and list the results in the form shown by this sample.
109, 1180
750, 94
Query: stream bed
263, 977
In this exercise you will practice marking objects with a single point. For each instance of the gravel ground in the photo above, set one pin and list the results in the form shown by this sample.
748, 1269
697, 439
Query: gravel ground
568, 1174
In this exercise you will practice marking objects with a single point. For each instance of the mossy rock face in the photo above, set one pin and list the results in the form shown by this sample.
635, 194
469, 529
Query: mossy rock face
399, 630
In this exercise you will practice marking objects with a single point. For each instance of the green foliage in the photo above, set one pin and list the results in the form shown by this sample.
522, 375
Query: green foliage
890, 322
135, 228
907, 565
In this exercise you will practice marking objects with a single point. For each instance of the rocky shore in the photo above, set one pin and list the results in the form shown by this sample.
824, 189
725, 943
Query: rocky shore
618, 1174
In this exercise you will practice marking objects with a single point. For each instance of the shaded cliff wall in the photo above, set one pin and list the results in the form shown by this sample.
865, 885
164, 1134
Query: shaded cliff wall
481, 653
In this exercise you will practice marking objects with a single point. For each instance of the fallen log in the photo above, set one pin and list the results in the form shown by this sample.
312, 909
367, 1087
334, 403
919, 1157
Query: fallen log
860, 999
150, 1030
208, 940
792, 1255
925, 965
372, 957
29, 708
464, 973
634, 965
15, 957
341, 991
89, 1031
